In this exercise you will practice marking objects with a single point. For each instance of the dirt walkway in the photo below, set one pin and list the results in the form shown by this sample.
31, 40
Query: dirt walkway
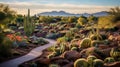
31, 55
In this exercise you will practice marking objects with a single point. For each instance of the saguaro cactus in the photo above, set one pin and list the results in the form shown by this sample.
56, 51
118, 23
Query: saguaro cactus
28, 24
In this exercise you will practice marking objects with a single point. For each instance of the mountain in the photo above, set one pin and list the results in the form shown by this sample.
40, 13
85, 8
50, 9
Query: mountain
102, 13
63, 13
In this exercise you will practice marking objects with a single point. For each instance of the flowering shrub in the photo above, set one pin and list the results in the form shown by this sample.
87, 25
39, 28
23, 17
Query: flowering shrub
18, 41
14, 37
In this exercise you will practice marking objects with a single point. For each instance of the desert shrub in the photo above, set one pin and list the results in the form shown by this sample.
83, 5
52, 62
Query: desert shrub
105, 22
5, 47
51, 36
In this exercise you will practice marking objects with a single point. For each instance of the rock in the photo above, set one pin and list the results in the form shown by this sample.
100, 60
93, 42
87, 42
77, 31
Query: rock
115, 64
56, 58
71, 55
85, 52
45, 61
71, 64
61, 62
102, 46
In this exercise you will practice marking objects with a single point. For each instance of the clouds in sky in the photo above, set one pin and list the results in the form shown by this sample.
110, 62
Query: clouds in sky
38, 6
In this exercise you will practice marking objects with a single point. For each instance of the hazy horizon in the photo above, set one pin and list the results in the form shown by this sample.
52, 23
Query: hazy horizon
70, 6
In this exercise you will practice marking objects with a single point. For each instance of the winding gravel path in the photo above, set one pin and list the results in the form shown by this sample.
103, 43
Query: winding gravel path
31, 55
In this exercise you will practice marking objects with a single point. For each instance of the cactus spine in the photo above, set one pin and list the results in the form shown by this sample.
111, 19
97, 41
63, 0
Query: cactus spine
85, 43
81, 63
90, 60
109, 60
98, 63
28, 24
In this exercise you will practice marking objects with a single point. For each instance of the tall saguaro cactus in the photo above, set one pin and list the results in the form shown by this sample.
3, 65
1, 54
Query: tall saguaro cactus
28, 24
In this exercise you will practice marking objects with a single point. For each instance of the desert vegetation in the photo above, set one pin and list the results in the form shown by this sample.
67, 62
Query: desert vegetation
81, 41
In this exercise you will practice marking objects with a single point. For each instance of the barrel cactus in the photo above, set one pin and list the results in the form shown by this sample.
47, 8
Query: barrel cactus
90, 60
85, 43
115, 53
109, 60
98, 63
54, 65
52, 55
95, 43
74, 48
96, 37
81, 63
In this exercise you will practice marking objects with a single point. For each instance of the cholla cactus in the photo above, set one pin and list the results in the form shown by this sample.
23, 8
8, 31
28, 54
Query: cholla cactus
85, 43
81, 63
98, 63
109, 60
28, 25
90, 60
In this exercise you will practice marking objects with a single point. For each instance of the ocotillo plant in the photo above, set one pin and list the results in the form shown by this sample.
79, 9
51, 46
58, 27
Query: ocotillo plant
28, 24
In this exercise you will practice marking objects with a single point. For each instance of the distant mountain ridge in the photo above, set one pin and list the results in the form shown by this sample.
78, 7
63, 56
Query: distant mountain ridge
63, 13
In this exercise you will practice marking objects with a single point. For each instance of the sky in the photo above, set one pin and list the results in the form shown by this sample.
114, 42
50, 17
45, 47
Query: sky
71, 6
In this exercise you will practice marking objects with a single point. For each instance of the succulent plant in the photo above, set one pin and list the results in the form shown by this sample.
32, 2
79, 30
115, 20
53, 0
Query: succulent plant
115, 53
74, 48
54, 65
93, 37
109, 60
90, 60
95, 43
58, 51
51, 55
85, 43
28, 25
98, 63
81, 63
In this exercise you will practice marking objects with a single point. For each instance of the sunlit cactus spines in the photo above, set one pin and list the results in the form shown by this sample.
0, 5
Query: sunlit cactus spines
85, 43
115, 53
81, 63
109, 60
90, 60
98, 63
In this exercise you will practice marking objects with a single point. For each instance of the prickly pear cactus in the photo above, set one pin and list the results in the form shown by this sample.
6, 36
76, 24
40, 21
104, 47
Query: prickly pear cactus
81, 63
85, 43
